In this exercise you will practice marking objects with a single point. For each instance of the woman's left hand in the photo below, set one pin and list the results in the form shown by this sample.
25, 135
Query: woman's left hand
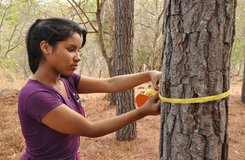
155, 79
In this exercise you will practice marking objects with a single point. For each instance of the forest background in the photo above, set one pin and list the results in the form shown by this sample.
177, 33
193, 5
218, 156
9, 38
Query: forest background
17, 15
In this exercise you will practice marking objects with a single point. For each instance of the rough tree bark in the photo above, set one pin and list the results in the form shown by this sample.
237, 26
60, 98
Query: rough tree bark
123, 63
198, 38
243, 84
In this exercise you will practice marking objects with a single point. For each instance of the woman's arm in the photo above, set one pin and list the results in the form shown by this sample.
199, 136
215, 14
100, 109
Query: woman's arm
117, 83
67, 121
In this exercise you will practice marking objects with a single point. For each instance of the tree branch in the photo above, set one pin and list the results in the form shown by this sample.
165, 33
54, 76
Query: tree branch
84, 13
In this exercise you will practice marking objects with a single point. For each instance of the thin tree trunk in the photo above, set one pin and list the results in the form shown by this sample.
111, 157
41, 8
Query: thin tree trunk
198, 38
239, 68
243, 84
123, 63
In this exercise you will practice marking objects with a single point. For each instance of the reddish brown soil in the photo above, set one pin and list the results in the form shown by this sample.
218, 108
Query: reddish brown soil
144, 147
236, 128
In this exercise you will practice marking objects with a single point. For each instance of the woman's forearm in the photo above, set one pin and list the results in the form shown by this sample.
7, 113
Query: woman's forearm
113, 124
124, 82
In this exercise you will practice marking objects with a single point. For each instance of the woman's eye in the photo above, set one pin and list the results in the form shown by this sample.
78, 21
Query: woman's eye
71, 49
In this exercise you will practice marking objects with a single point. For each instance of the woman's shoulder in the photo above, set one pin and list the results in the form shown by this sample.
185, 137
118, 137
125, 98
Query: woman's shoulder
35, 92
72, 79
34, 86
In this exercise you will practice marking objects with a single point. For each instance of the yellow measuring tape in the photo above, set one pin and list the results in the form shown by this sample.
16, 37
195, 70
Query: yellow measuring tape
189, 100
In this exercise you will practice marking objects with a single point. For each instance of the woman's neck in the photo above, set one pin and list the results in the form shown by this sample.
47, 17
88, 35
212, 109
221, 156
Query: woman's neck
47, 76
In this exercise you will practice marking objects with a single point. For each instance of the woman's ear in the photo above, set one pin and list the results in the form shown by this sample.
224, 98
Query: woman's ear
45, 47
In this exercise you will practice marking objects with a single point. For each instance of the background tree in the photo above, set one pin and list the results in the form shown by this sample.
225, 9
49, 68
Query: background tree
239, 46
148, 35
15, 19
122, 63
237, 57
243, 85
198, 38
16, 16
98, 19
12, 31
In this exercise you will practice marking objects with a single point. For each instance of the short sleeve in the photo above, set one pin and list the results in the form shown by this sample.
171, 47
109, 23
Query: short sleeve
40, 103
76, 78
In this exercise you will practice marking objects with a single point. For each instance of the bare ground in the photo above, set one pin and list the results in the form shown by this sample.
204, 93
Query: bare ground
144, 147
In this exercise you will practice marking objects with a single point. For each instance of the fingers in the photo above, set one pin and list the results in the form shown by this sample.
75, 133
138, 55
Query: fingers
152, 105
156, 85
156, 104
156, 81
155, 98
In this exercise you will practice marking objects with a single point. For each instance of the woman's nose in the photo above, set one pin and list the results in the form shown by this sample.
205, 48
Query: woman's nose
77, 57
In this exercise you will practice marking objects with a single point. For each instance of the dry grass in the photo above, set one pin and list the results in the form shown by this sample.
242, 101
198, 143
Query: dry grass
144, 147
11, 139
236, 128
10, 80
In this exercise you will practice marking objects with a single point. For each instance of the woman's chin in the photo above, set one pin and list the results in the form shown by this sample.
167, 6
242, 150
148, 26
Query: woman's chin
68, 73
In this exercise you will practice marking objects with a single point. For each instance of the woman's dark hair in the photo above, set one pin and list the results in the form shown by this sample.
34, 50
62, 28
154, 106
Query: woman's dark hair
52, 30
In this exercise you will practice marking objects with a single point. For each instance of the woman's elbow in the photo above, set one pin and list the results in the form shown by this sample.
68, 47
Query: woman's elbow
91, 132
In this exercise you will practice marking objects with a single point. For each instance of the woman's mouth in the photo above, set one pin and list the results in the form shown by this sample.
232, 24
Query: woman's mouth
74, 67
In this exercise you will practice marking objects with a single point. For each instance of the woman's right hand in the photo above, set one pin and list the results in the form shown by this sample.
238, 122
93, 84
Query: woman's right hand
151, 106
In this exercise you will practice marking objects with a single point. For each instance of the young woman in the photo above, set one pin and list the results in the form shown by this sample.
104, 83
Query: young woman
51, 114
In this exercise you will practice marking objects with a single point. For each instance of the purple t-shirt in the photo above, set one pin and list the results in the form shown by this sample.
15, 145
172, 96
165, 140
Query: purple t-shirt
35, 101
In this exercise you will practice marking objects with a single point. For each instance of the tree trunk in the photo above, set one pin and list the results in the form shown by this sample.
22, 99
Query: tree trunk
198, 38
239, 68
123, 63
243, 84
